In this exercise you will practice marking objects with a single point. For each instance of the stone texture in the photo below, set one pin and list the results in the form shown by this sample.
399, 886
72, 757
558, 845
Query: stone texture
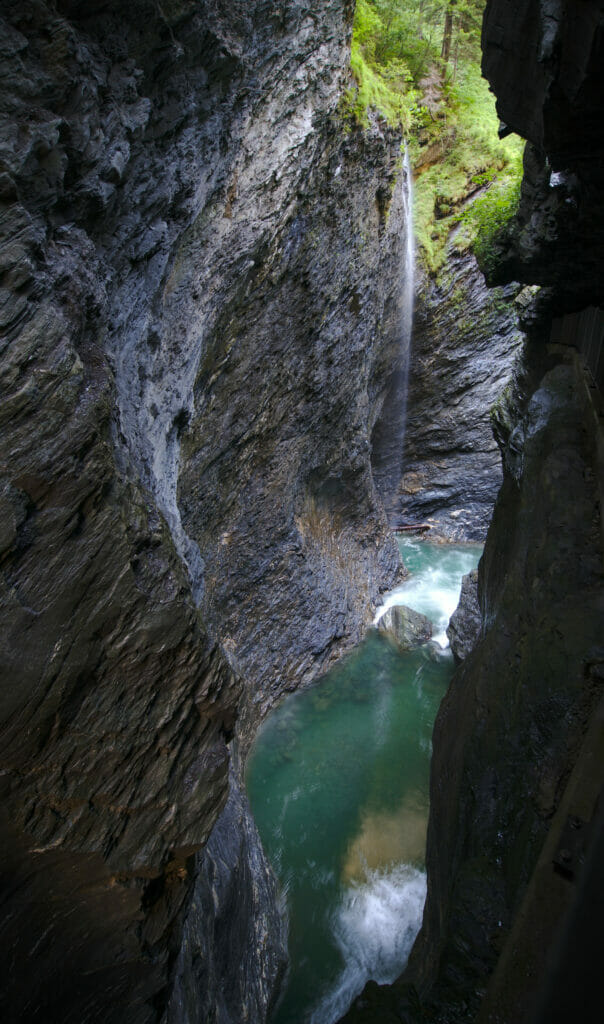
276, 483
511, 724
196, 253
409, 628
545, 63
234, 935
466, 341
510, 729
466, 621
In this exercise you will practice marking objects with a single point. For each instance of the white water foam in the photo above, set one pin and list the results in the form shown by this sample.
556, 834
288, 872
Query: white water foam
375, 927
430, 593
433, 591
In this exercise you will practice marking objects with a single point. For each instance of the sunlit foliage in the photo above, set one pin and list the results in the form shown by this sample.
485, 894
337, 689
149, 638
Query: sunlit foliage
416, 63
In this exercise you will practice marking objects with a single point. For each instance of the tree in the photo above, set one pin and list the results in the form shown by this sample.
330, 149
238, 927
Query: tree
447, 33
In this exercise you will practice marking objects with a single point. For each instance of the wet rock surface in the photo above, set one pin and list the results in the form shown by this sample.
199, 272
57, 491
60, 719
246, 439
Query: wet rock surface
189, 385
466, 340
465, 623
278, 492
511, 724
409, 628
510, 729
516, 712
234, 938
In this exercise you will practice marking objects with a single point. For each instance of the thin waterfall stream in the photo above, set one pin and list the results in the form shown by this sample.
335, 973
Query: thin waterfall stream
338, 777
388, 436
408, 294
338, 783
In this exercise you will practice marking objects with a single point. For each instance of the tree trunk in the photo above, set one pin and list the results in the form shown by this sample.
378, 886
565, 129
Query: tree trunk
447, 33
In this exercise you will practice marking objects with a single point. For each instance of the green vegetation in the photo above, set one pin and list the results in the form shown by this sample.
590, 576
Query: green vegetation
381, 68
416, 63
485, 221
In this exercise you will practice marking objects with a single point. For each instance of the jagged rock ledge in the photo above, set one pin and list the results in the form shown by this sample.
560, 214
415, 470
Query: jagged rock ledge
466, 344
466, 622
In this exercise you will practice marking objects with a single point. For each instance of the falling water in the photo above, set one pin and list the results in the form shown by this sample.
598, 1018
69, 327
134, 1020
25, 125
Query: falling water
389, 433
408, 292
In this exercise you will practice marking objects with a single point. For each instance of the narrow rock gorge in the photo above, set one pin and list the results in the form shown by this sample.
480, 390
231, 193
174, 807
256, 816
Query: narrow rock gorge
466, 340
200, 353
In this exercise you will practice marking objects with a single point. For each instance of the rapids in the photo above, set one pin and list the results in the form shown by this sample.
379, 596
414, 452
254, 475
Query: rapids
338, 783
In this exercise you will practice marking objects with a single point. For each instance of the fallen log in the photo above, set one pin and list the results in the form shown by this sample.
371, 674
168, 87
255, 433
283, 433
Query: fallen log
412, 528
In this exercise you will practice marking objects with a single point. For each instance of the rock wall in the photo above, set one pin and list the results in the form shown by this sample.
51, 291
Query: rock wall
465, 624
544, 63
466, 341
196, 253
276, 483
518, 738
512, 723
511, 727
234, 937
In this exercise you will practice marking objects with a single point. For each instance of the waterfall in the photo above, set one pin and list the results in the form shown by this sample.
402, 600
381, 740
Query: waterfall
388, 436
408, 292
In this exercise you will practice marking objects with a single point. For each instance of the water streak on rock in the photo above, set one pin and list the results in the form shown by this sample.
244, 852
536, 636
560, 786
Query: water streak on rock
408, 294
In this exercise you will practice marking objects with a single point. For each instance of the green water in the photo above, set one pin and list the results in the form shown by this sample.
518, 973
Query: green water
338, 783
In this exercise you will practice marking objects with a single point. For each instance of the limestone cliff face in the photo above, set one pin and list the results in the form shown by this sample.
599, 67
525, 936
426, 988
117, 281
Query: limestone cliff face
435, 458
195, 254
511, 729
276, 483
511, 726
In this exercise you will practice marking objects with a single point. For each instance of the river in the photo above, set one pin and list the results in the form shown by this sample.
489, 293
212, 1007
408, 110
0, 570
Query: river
338, 782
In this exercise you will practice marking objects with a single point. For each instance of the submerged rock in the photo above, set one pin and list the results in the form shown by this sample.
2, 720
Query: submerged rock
408, 627
464, 628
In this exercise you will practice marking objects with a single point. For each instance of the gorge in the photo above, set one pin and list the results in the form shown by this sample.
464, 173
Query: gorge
200, 361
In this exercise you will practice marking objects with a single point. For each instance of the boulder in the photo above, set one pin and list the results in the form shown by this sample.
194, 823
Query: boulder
409, 628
